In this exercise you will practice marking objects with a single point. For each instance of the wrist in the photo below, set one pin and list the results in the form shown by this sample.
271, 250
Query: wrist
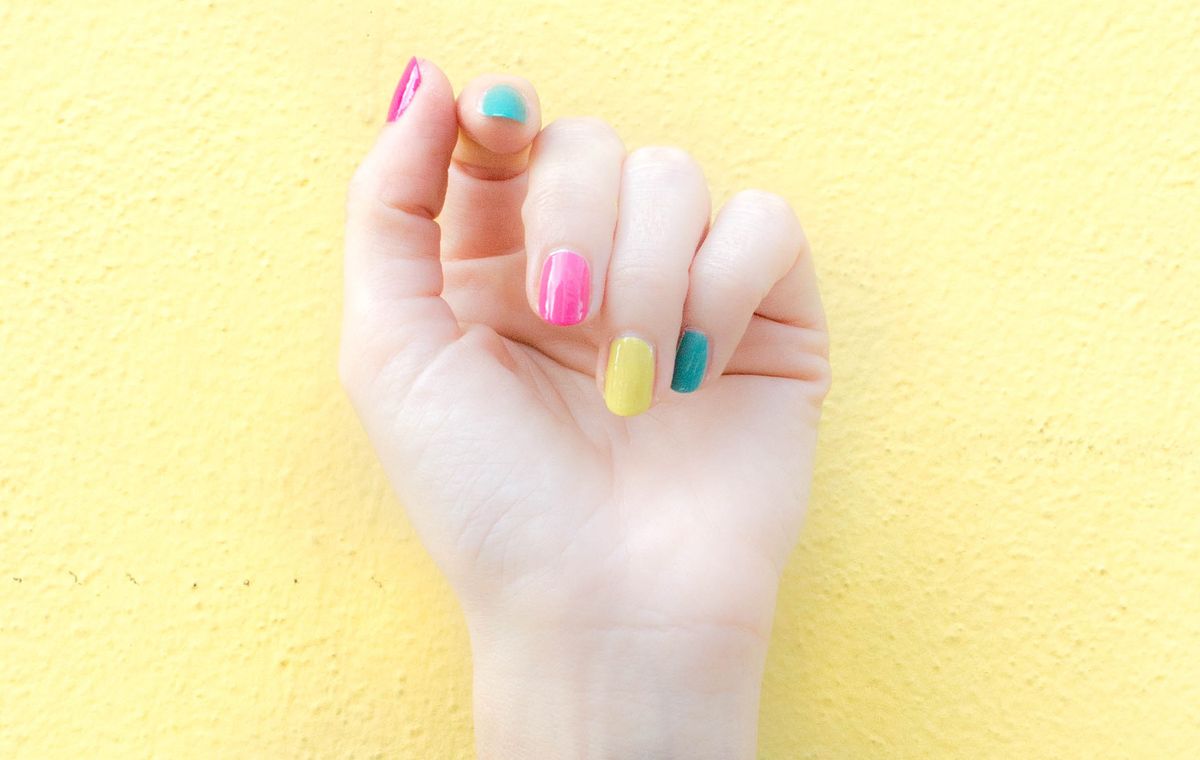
616, 691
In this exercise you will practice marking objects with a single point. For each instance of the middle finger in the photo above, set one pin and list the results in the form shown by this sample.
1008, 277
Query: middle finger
664, 208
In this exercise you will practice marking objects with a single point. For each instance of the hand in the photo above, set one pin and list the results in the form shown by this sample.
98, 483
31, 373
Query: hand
616, 545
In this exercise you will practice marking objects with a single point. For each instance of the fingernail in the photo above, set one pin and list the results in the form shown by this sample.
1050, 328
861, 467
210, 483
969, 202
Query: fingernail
691, 360
410, 80
629, 379
565, 289
503, 102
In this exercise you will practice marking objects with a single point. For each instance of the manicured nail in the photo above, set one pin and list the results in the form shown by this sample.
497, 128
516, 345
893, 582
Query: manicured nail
410, 80
503, 102
691, 360
629, 379
566, 288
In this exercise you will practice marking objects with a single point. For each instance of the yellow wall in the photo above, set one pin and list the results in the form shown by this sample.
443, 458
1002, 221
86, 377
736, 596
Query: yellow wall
199, 557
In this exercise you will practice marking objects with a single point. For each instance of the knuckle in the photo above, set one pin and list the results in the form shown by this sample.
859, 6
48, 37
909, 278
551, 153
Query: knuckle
662, 154
645, 275
765, 211
740, 284
664, 162
370, 194
589, 130
547, 200
765, 204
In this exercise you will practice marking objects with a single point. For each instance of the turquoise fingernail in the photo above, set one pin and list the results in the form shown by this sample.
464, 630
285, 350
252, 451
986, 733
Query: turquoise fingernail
691, 360
503, 102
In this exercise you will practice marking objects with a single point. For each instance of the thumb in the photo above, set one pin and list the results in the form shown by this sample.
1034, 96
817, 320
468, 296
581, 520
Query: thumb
393, 270
498, 117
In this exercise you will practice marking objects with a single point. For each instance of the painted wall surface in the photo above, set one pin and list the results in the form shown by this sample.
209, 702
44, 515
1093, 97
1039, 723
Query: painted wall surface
199, 557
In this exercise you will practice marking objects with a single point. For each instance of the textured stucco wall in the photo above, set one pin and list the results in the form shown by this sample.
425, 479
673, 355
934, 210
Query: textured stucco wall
199, 557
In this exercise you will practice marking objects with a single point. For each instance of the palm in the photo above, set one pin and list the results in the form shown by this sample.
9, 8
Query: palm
566, 497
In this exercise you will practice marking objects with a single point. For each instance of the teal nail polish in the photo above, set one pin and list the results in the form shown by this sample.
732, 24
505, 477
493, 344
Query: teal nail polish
691, 360
504, 102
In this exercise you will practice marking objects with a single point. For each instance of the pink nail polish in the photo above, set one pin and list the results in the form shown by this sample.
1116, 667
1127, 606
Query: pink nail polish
410, 80
566, 288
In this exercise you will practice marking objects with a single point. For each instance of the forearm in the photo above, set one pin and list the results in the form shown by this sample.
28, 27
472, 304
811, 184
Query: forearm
641, 692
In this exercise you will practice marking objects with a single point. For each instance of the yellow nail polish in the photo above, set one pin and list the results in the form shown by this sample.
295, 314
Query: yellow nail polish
629, 379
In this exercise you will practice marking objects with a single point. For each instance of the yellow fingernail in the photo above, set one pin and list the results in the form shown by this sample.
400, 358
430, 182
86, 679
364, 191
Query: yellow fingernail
629, 379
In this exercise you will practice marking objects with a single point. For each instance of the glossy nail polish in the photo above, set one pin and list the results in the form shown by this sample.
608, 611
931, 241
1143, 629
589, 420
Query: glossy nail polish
565, 289
691, 361
503, 102
410, 80
629, 377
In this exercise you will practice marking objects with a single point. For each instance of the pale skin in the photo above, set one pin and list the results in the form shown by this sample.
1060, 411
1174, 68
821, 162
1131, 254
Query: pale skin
618, 574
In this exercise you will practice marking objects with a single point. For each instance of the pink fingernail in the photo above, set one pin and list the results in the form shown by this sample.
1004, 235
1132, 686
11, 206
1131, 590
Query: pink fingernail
410, 80
566, 287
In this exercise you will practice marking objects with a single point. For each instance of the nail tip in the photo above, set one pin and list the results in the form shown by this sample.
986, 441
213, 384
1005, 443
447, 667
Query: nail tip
505, 117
